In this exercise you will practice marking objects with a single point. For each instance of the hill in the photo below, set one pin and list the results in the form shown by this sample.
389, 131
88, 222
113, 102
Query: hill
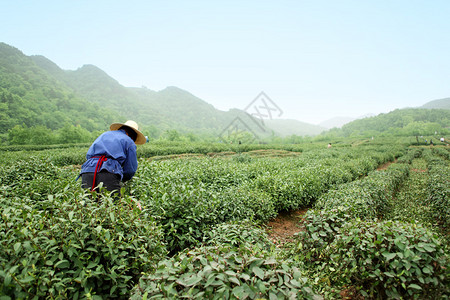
32, 96
169, 109
34, 91
400, 122
438, 104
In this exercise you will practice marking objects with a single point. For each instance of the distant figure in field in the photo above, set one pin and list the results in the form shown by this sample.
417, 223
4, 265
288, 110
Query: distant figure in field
329, 145
431, 142
112, 157
442, 139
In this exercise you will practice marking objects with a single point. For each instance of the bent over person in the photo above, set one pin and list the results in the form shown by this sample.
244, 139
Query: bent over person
112, 157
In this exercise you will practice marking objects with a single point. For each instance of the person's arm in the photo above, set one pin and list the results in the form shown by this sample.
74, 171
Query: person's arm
130, 164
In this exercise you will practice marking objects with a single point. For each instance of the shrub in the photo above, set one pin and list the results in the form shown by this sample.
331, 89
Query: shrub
439, 194
74, 247
410, 155
444, 152
22, 171
321, 226
245, 202
30, 179
369, 197
292, 189
238, 234
224, 272
387, 260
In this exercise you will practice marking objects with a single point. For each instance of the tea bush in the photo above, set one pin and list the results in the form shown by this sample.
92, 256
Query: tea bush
387, 260
347, 247
30, 179
245, 202
75, 247
157, 148
366, 198
292, 189
243, 233
186, 211
438, 188
187, 197
443, 152
410, 155
410, 199
75, 156
439, 195
60, 243
236, 263
321, 228
26, 170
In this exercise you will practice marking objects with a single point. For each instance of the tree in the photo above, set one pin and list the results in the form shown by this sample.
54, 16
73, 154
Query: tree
172, 135
415, 129
192, 137
73, 134
41, 135
19, 135
4, 118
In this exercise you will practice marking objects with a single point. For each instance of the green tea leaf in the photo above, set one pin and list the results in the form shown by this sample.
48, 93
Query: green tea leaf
17, 247
414, 286
258, 272
62, 264
234, 280
389, 256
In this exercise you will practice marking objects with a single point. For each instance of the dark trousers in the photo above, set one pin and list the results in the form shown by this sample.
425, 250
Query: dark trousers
111, 182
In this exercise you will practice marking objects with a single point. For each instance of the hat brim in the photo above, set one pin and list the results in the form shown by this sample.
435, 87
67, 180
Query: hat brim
140, 139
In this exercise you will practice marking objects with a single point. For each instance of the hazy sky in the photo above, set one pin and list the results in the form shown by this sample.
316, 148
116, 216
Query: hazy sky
315, 59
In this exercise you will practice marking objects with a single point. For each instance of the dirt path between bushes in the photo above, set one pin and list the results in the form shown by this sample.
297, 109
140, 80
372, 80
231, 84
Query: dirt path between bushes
386, 165
282, 229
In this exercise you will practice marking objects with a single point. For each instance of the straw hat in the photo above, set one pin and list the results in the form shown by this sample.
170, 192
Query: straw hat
140, 139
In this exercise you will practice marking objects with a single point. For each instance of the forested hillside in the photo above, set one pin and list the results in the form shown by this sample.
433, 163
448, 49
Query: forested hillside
169, 109
40, 103
400, 122
35, 93
31, 96
439, 103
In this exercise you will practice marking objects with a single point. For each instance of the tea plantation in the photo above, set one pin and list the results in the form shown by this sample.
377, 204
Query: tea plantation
191, 224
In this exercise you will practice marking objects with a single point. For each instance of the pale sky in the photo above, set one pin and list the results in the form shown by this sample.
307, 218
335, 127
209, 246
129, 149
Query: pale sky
315, 59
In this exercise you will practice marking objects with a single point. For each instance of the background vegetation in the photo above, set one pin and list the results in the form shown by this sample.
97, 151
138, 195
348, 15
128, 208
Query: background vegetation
41, 103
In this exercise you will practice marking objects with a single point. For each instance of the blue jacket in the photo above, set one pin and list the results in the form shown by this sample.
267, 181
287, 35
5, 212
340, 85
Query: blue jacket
120, 151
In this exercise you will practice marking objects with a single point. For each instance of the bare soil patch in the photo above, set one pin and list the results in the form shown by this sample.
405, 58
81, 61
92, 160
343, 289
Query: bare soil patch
386, 165
282, 229
175, 156
272, 153
224, 153
351, 293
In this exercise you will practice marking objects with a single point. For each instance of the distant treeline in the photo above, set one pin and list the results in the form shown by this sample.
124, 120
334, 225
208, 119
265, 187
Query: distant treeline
400, 122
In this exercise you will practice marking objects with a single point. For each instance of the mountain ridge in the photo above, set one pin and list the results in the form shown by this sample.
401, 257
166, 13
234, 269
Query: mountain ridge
437, 104
36, 91
161, 109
